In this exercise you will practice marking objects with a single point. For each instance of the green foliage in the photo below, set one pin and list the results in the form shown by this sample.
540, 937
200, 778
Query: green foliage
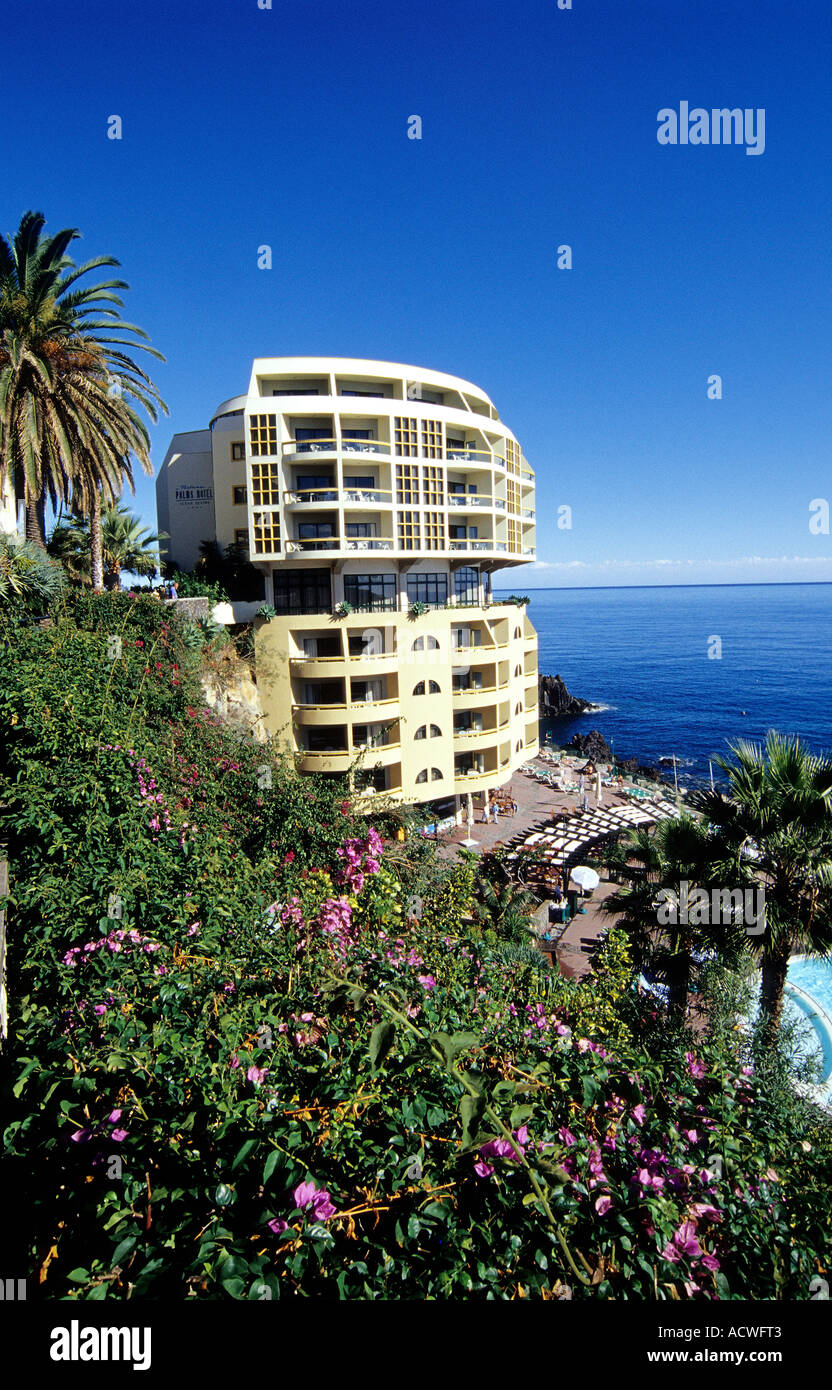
29, 579
249, 1058
192, 586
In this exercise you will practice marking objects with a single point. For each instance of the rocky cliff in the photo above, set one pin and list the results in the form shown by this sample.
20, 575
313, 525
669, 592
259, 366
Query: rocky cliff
555, 699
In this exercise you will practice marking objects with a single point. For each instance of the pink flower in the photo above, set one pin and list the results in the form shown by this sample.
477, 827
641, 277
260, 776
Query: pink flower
81, 1136
602, 1205
114, 1117
303, 1194
100, 1009
256, 1075
705, 1211
684, 1243
119, 1134
427, 981
483, 1169
277, 1227
695, 1068
691, 1135
566, 1137
638, 1113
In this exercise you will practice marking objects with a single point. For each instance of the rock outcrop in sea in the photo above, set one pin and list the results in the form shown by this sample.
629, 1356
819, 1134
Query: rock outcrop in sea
592, 745
554, 699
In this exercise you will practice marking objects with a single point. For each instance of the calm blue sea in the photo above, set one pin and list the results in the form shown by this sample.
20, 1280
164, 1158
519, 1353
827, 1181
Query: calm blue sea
643, 654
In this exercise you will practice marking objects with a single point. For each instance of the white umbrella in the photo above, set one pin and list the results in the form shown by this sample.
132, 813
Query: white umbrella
586, 878
598, 796
469, 839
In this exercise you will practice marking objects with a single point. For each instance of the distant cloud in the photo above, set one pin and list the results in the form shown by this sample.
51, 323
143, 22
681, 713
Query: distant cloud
748, 569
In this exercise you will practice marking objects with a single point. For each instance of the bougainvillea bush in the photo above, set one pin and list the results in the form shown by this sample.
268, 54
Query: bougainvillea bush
248, 1059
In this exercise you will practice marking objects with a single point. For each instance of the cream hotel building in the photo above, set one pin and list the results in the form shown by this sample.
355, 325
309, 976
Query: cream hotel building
378, 500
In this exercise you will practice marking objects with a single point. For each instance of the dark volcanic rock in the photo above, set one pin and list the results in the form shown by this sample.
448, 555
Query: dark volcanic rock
555, 698
592, 745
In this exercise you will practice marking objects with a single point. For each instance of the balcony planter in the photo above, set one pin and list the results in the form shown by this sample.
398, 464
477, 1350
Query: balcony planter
418, 608
266, 612
343, 610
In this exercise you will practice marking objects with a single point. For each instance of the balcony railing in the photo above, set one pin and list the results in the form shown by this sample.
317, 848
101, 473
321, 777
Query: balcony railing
471, 499
364, 446
310, 494
470, 455
361, 496
528, 513
325, 445
369, 543
473, 545
319, 543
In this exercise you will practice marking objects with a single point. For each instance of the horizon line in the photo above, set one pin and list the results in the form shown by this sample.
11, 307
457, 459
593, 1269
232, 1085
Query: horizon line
736, 584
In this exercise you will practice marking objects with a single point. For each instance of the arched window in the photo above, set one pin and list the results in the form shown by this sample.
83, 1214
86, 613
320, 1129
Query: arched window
421, 642
518, 632
518, 747
435, 775
435, 731
518, 670
518, 709
433, 688
422, 732
422, 776
419, 688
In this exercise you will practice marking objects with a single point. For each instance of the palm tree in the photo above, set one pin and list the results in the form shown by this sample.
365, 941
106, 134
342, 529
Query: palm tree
66, 385
126, 545
655, 865
502, 905
776, 817
26, 572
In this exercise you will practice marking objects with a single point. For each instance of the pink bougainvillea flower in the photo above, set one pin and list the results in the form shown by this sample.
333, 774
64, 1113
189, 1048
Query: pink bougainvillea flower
303, 1194
522, 1136
114, 1117
710, 1262
638, 1113
100, 1009
119, 1134
322, 1206
704, 1211
256, 1075
483, 1169
566, 1136
426, 981
277, 1227
695, 1067
602, 1205
81, 1136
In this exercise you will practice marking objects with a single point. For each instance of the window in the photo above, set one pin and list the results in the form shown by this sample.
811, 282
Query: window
419, 644
322, 646
319, 434
263, 434
427, 588
357, 434
266, 533
518, 670
512, 495
323, 693
513, 534
512, 456
434, 530
422, 732
518, 708
359, 481
238, 451
466, 584
409, 531
314, 530
308, 482
435, 731
295, 391
435, 775
265, 484
456, 489
374, 394
432, 688
518, 632
457, 532
241, 538
433, 486
325, 740
406, 437
361, 528
432, 438
239, 495
422, 776
370, 592
302, 591
407, 483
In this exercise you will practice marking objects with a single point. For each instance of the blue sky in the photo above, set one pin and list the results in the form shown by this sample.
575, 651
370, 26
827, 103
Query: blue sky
288, 126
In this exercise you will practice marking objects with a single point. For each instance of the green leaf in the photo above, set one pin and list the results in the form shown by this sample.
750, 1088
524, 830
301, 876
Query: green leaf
520, 1114
471, 1111
381, 1041
123, 1250
451, 1046
591, 1090
243, 1153
270, 1165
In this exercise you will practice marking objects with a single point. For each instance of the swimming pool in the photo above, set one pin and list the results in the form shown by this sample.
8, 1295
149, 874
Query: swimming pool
809, 994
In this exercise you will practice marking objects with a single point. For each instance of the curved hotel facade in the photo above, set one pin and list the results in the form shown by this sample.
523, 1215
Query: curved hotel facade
379, 500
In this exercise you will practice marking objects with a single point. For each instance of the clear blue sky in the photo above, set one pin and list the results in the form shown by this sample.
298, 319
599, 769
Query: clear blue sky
288, 126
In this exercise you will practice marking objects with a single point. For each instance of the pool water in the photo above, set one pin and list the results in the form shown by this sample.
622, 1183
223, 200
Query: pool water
809, 991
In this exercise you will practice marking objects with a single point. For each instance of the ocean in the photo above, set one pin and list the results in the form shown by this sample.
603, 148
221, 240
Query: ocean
643, 654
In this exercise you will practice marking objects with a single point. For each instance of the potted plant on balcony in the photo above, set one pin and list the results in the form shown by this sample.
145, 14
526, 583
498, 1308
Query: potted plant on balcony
266, 612
343, 610
417, 608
